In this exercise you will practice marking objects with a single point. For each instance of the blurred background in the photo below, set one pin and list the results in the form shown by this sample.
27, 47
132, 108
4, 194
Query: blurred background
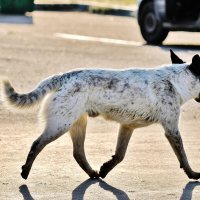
45, 37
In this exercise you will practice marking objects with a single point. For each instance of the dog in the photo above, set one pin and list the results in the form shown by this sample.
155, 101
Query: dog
132, 97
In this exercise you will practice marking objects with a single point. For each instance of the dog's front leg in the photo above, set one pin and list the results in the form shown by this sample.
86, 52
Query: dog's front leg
122, 143
176, 143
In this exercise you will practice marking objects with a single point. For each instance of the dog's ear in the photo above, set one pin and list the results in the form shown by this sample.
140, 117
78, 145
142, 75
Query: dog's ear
195, 65
175, 59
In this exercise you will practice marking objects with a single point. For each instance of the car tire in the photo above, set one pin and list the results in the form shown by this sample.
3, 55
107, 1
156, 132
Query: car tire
151, 29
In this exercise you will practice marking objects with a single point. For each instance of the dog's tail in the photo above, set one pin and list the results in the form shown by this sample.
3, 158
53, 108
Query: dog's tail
15, 100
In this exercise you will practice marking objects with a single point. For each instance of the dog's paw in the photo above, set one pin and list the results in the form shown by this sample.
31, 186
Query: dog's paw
25, 172
107, 167
103, 170
94, 175
194, 175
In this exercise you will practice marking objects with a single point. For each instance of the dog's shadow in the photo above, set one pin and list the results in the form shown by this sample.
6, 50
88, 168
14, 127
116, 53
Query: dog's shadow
79, 192
180, 47
187, 191
177, 47
25, 192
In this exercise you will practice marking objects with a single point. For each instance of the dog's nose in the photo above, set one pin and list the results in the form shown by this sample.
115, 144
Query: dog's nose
197, 99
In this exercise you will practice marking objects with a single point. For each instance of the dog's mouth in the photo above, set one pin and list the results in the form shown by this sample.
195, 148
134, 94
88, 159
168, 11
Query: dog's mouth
197, 99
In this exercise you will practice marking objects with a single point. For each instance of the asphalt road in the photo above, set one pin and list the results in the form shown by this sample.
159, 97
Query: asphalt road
57, 42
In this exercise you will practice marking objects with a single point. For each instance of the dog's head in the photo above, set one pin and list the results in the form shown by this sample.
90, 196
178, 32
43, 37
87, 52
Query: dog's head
194, 67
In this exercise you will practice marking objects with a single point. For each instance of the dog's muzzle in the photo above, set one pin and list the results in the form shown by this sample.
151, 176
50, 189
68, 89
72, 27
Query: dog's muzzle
197, 99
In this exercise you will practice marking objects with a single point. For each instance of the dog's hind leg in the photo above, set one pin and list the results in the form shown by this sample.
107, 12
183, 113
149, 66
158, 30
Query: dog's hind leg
77, 132
36, 148
60, 118
122, 143
175, 140
55, 127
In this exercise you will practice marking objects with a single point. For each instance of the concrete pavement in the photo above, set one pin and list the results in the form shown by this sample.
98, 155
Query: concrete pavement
150, 170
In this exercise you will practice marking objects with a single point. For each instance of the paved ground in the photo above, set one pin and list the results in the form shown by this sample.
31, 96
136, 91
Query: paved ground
29, 53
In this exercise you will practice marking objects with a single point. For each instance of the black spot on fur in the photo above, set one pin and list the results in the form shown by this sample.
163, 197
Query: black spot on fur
31, 100
33, 95
77, 87
10, 90
133, 116
114, 110
92, 113
112, 84
23, 99
177, 133
43, 91
13, 97
169, 86
148, 118
49, 86
163, 101
158, 75
71, 74
126, 85
61, 78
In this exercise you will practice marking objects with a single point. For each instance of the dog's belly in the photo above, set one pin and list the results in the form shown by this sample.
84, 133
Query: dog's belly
122, 116
127, 119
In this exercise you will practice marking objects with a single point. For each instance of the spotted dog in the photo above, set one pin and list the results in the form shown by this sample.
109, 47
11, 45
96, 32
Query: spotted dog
133, 97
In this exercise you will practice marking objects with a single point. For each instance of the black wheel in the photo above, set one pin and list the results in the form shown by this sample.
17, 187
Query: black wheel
151, 29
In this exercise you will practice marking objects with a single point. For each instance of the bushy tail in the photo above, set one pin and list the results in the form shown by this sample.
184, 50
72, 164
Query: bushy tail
12, 98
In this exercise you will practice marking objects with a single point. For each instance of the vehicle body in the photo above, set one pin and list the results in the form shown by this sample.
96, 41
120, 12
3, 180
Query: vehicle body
157, 17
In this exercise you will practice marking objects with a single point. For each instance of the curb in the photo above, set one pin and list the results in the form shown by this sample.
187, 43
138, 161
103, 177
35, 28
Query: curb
86, 8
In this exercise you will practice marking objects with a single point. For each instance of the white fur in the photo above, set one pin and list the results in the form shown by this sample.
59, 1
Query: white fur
129, 100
